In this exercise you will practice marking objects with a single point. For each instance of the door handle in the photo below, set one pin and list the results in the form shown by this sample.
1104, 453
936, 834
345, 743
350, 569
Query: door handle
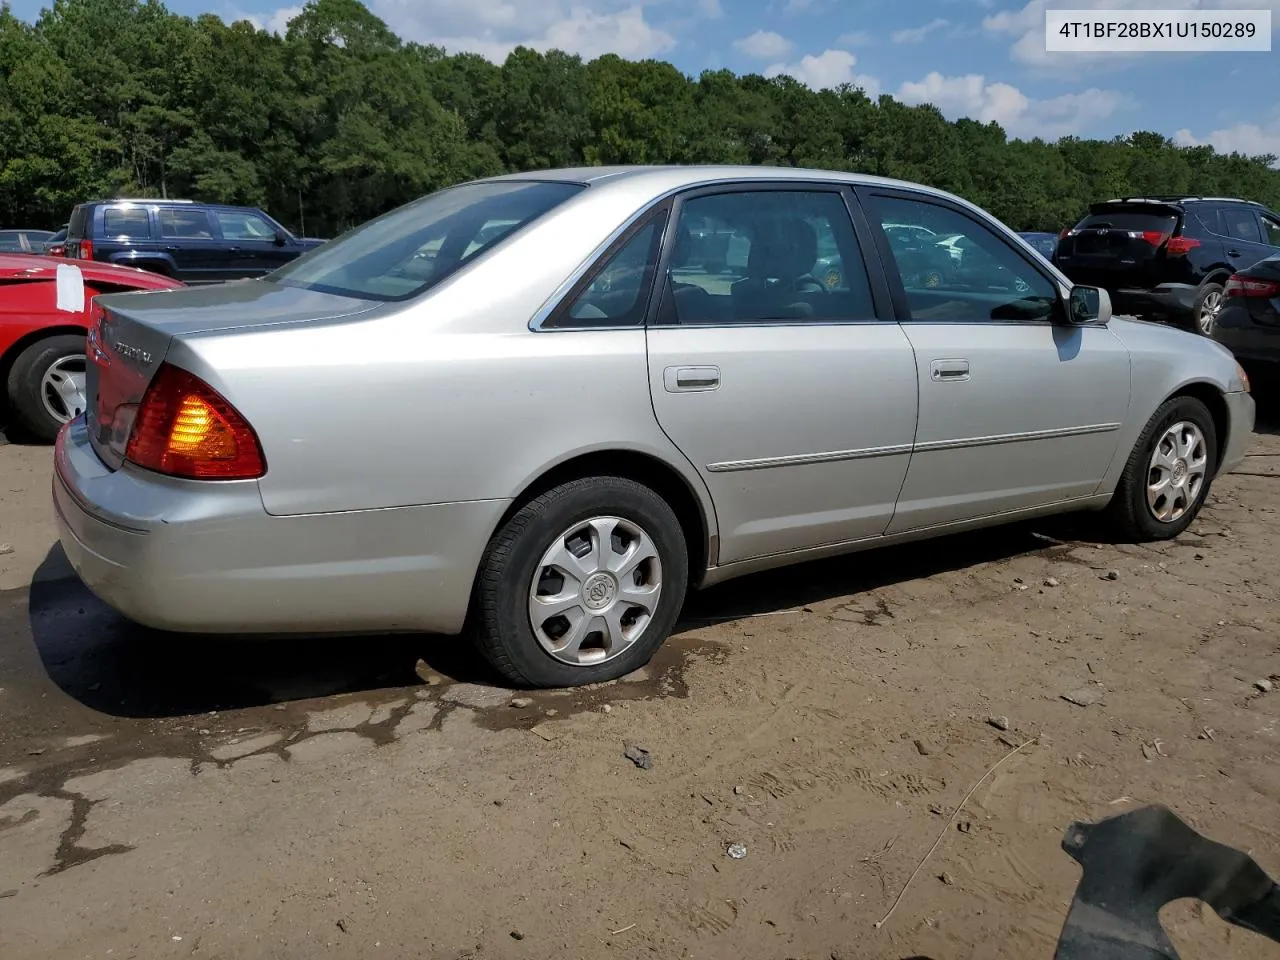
172, 249
690, 379
940, 370
1234, 253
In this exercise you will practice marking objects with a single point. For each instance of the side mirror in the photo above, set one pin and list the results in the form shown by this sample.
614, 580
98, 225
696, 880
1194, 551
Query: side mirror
281, 239
1088, 307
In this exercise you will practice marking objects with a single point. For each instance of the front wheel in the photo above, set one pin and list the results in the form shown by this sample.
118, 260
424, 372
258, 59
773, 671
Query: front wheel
1168, 474
46, 385
581, 585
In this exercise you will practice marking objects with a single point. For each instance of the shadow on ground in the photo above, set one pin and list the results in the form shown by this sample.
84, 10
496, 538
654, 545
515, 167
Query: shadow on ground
121, 669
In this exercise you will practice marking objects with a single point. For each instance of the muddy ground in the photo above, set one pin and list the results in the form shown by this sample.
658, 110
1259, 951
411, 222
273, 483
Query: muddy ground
170, 797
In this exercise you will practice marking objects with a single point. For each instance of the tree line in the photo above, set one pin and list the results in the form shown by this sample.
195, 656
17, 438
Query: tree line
338, 120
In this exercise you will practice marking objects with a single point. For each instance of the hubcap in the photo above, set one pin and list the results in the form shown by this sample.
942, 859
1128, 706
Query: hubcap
1175, 476
1209, 310
595, 590
62, 388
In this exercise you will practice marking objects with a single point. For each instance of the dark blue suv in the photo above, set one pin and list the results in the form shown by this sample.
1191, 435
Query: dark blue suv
189, 241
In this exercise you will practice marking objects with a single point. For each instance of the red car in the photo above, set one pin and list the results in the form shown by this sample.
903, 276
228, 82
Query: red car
42, 361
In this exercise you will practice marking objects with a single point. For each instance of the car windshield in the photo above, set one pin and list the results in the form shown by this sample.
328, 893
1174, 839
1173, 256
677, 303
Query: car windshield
405, 252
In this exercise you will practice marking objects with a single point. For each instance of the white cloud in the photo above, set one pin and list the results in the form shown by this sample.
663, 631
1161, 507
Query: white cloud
1020, 116
1027, 25
1247, 138
764, 45
276, 21
831, 68
917, 34
493, 28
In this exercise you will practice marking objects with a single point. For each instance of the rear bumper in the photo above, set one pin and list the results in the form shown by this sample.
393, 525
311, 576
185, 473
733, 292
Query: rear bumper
206, 557
1240, 414
1167, 299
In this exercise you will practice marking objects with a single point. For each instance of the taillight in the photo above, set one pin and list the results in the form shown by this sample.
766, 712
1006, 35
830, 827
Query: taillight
1178, 246
185, 428
1154, 237
86, 250
1064, 233
1238, 286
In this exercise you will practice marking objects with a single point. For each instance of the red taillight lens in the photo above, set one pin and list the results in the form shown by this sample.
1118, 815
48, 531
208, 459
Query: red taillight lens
86, 250
1062, 234
1154, 237
185, 428
1177, 246
1239, 286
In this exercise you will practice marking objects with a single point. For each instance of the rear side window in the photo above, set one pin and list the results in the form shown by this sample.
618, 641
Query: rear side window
11, 241
184, 223
1242, 224
767, 256
131, 222
411, 249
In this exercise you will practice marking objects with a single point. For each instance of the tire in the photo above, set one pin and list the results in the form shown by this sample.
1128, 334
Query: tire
502, 606
1131, 511
38, 406
1204, 309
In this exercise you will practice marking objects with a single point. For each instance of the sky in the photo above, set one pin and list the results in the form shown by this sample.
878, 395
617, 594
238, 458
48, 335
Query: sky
983, 59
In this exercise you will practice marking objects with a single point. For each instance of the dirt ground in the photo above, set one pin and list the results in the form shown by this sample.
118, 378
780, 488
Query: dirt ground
167, 797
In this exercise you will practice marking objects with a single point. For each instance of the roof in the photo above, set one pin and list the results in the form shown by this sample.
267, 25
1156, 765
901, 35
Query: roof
1180, 198
675, 177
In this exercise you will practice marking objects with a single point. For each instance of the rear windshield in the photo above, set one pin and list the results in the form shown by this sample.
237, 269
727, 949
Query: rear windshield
1129, 220
406, 251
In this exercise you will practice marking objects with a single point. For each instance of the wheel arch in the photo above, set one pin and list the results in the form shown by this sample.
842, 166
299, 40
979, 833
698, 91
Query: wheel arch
692, 509
1212, 396
27, 339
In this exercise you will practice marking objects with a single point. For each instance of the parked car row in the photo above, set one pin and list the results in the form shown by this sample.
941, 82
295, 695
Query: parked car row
1197, 262
613, 387
115, 245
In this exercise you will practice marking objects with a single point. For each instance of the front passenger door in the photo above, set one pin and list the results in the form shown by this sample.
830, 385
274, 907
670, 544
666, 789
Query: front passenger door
1016, 411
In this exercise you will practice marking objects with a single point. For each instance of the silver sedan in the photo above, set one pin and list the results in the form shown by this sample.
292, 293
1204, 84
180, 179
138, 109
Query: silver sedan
539, 408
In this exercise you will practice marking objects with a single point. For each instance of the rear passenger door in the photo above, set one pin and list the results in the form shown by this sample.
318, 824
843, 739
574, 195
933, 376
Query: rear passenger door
775, 367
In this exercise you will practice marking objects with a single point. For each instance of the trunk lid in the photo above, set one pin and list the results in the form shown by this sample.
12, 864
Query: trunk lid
130, 335
1119, 243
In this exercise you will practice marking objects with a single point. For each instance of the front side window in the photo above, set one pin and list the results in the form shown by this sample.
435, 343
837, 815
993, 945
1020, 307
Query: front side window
955, 268
761, 256
1271, 226
411, 249
12, 241
241, 225
130, 222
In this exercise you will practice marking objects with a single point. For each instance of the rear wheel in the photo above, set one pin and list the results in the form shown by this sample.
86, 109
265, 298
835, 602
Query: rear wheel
1204, 311
46, 385
581, 585
1168, 474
